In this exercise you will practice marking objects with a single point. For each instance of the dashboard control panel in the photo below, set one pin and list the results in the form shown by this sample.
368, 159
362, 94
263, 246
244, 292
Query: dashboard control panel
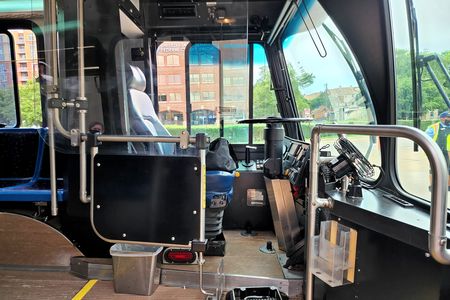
295, 161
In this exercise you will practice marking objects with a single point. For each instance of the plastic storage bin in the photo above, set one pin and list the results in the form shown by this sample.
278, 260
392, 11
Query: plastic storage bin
135, 268
335, 253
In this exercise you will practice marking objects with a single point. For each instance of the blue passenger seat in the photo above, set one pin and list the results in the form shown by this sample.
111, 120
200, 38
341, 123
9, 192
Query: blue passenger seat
26, 189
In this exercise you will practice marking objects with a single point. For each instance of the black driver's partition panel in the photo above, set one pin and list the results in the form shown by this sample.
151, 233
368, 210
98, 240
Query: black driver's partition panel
152, 199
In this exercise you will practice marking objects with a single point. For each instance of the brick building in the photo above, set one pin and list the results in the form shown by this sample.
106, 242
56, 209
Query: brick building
26, 55
6, 80
212, 81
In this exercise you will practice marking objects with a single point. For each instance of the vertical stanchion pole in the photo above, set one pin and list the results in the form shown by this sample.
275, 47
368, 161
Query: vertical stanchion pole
82, 97
202, 193
52, 93
201, 143
312, 206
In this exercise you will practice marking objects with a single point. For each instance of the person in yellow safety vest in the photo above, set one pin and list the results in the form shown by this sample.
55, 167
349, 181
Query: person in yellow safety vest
439, 132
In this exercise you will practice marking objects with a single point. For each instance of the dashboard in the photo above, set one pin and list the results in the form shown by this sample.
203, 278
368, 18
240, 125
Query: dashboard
296, 161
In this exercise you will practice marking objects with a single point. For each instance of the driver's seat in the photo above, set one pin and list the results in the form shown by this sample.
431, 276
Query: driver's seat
145, 119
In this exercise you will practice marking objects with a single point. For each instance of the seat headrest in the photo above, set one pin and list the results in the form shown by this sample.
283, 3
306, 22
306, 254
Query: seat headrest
135, 78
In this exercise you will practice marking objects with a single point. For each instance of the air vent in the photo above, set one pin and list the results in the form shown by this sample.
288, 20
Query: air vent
181, 11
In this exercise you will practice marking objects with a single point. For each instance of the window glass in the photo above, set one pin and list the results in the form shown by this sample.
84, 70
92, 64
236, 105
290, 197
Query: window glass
327, 83
204, 66
28, 78
235, 104
7, 102
212, 101
423, 109
264, 100
173, 60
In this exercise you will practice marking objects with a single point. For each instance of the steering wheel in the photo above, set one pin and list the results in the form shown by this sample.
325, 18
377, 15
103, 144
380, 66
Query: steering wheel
273, 120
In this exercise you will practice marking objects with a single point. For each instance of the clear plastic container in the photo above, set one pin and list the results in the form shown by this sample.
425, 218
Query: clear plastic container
135, 268
333, 259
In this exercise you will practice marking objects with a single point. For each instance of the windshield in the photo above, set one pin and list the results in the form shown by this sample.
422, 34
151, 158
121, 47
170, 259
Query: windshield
327, 82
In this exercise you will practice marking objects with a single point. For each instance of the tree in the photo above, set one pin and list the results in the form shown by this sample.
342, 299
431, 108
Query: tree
431, 99
7, 107
300, 79
321, 100
264, 101
30, 104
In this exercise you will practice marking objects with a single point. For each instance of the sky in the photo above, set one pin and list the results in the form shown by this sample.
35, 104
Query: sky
433, 24
332, 71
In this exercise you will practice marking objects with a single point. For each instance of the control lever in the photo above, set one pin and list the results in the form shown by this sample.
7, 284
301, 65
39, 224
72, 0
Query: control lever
248, 162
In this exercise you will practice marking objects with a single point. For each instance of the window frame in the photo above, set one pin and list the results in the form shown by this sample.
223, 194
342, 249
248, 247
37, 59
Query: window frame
14, 76
189, 101
39, 43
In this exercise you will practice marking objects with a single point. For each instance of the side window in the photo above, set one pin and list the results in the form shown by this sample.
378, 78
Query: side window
27, 74
424, 107
7, 101
264, 99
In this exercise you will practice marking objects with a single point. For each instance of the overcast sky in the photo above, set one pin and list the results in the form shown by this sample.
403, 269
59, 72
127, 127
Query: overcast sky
434, 36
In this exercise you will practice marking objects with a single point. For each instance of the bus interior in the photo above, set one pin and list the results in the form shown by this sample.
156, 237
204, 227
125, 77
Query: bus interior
256, 149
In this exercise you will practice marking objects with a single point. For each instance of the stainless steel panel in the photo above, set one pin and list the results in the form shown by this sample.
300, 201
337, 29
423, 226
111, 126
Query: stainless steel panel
284, 216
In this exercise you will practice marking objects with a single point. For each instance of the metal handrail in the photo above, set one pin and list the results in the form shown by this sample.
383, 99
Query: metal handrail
437, 240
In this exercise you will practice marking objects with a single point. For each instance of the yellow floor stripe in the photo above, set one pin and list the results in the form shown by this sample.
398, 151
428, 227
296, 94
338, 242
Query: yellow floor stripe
86, 288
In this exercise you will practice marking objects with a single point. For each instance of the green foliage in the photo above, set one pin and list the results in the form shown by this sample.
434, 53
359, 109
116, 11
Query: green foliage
264, 101
431, 99
300, 79
30, 104
321, 100
236, 133
7, 107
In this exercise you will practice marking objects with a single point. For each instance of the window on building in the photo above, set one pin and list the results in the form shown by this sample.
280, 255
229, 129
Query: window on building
162, 79
208, 78
208, 96
195, 96
238, 80
173, 60
162, 98
194, 78
160, 60
421, 108
227, 81
7, 100
171, 117
174, 97
173, 79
